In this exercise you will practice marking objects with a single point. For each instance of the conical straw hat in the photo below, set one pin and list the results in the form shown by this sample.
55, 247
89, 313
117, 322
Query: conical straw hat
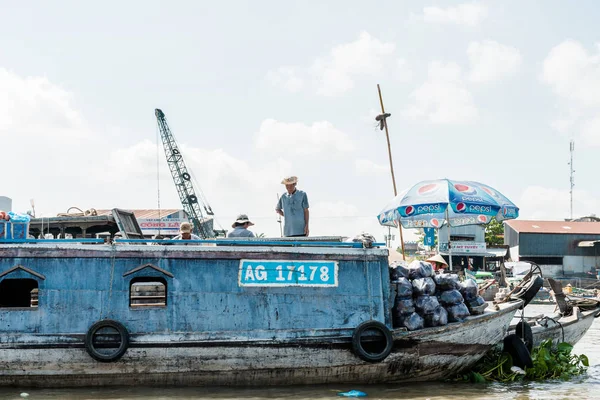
437, 258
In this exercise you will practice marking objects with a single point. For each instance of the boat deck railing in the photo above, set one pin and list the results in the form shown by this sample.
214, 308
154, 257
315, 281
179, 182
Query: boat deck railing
277, 242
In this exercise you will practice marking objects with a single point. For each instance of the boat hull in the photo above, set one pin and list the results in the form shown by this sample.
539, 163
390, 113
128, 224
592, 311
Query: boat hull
426, 355
570, 330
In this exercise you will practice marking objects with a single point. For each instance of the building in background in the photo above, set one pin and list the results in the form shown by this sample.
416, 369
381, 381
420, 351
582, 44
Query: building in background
5, 203
157, 222
469, 248
559, 247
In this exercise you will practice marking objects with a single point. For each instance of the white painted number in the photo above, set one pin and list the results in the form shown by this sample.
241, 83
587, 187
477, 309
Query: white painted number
313, 269
324, 274
291, 268
279, 273
302, 277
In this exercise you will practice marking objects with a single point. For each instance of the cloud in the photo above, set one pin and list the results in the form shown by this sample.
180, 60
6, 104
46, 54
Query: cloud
287, 78
573, 73
468, 14
403, 71
541, 203
443, 98
336, 73
318, 138
590, 132
491, 61
365, 167
365, 56
32, 105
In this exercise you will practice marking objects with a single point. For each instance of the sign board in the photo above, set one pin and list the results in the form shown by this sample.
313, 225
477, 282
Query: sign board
429, 239
167, 226
464, 247
288, 273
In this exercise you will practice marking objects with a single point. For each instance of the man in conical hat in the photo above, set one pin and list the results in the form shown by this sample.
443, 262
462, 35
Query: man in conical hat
438, 262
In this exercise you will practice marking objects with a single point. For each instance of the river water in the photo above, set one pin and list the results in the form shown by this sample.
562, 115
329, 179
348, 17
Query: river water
581, 388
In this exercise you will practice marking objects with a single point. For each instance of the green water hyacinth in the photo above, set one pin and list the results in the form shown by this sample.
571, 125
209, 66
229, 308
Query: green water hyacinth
549, 362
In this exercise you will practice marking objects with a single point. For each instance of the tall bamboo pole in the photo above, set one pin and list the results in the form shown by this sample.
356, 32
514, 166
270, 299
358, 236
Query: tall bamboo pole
387, 136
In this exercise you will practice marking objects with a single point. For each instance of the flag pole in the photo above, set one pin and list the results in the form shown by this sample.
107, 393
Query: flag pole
382, 118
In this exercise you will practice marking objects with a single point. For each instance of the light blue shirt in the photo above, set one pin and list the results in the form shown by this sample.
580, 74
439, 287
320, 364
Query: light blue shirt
293, 206
240, 232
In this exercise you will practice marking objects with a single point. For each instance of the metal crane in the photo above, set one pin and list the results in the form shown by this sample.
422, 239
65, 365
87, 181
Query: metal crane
192, 204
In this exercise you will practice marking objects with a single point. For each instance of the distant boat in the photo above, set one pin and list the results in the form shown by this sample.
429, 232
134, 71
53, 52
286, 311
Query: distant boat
569, 325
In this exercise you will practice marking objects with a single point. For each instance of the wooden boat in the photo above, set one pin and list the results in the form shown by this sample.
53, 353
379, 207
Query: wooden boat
573, 319
238, 313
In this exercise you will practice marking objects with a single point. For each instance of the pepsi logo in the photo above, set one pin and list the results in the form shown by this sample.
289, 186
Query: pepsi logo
482, 219
409, 210
461, 207
489, 191
465, 189
435, 222
428, 189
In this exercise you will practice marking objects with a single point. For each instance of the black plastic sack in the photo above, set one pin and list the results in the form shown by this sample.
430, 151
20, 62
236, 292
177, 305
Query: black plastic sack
469, 289
426, 304
476, 302
458, 313
450, 298
404, 288
404, 306
423, 287
412, 322
420, 269
398, 271
447, 281
438, 317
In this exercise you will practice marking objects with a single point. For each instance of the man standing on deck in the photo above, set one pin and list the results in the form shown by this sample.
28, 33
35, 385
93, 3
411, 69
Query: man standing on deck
293, 206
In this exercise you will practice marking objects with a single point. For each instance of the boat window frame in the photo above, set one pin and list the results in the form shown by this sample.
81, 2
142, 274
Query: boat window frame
138, 279
21, 308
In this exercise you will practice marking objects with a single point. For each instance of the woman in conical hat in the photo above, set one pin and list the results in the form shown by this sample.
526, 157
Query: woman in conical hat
438, 262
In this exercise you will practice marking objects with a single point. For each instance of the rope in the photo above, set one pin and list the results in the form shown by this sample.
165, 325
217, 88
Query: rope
112, 274
87, 213
556, 322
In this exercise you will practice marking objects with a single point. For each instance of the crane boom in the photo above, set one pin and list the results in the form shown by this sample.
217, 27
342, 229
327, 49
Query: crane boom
192, 205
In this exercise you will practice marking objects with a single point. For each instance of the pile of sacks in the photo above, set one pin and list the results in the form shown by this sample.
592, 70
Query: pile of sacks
424, 299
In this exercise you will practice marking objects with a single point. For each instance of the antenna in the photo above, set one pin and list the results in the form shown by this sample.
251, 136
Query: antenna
32, 202
572, 150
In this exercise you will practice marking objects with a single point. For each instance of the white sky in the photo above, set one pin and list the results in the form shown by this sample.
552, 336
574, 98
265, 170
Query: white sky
253, 91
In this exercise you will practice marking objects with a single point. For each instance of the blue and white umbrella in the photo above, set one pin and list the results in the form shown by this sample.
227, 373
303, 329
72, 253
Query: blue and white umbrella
430, 204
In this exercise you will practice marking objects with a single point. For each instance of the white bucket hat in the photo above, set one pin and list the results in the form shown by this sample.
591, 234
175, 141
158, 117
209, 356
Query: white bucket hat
241, 220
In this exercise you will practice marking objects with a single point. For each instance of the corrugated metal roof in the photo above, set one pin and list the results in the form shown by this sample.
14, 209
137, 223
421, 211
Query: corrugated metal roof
145, 213
523, 226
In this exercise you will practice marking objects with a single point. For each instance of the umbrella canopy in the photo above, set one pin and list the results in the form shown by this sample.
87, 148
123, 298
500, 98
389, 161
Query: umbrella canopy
433, 203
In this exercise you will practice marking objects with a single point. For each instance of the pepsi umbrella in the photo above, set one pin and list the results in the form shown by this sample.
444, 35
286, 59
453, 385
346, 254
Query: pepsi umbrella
430, 204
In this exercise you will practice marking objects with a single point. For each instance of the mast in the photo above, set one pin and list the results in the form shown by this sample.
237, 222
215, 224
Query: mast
382, 118
572, 177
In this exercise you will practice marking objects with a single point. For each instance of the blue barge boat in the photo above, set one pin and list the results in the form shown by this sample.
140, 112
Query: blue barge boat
235, 313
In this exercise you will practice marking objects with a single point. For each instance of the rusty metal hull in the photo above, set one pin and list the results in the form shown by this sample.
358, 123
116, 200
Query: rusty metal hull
425, 355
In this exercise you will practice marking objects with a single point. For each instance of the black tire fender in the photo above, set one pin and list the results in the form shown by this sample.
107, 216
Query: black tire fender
385, 347
111, 356
530, 290
523, 331
514, 346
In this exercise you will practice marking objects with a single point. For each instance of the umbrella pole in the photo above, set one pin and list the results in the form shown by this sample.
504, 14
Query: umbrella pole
449, 246
387, 136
